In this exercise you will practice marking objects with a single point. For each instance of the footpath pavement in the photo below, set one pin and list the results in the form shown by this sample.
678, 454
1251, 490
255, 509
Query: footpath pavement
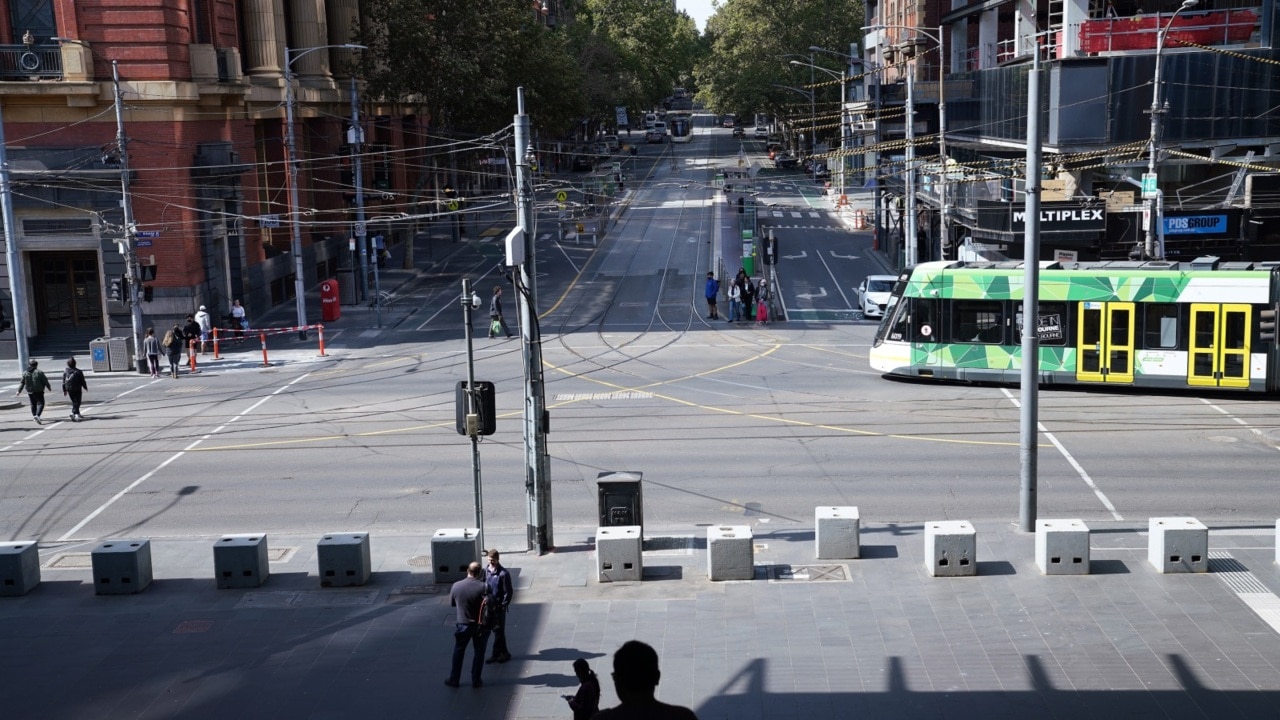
873, 637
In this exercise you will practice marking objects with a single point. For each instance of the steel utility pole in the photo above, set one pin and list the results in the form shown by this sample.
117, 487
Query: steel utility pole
130, 236
1030, 389
355, 140
13, 258
1150, 183
910, 247
469, 302
536, 420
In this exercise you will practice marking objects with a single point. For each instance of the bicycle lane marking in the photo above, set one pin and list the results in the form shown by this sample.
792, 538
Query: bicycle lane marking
1070, 459
148, 475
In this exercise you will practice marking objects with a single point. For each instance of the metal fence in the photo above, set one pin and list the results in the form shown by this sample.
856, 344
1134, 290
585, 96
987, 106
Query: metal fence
19, 62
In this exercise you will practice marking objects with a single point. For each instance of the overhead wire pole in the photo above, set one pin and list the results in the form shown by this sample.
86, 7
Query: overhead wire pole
13, 258
1155, 201
130, 232
910, 247
537, 461
355, 140
1030, 388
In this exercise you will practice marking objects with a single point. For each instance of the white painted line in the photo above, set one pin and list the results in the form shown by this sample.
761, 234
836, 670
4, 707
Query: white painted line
101, 508
1238, 421
1079, 470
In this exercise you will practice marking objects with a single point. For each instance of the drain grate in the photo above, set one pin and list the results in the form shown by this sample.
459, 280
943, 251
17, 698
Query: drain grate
192, 626
674, 545
288, 599
808, 573
186, 388
73, 560
420, 561
418, 590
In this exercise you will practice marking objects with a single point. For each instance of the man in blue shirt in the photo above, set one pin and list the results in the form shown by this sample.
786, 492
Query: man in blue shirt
498, 581
712, 291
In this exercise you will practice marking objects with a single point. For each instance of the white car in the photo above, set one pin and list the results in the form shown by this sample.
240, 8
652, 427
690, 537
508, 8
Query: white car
874, 294
762, 133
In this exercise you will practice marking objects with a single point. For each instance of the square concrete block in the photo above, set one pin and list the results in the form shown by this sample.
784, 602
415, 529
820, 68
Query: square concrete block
240, 561
1178, 545
837, 534
950, 548
121, 567
618, 553
452, 550
344, 559
730, 553
19, 568
1062, 547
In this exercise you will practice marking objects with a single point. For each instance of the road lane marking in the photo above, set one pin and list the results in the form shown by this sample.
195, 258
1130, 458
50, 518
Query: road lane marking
102, 508
1239, 421
1070, 459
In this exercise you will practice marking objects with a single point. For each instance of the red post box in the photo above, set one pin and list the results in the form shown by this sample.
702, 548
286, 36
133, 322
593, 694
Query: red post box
330, 308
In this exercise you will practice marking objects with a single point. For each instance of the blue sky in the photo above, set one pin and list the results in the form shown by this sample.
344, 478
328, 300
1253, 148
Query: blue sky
699, 10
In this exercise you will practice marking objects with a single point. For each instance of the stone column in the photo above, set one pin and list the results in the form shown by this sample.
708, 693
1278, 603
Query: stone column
262, 18
309, 31
344, 22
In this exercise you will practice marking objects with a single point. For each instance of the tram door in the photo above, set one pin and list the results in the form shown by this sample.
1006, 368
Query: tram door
1219, 348
1104, 342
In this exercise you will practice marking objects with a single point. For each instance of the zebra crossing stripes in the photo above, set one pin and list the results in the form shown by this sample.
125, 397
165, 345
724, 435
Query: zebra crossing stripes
796, 214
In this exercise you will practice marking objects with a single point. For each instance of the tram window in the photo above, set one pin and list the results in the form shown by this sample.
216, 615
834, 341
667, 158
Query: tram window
1050, 327
977, 321
1160, 325
925, 321
899, 321
1235, 332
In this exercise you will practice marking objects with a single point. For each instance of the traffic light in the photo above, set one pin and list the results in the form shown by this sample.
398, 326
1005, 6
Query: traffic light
148, 272
1267, 325
486, 418
4, 321
117, 289
147, 293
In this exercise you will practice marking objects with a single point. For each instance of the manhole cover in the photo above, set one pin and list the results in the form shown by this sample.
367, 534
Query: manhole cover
418, 590
285, 599
677, 545
420, 561
72, 560
280, 554
808, 573
192, 626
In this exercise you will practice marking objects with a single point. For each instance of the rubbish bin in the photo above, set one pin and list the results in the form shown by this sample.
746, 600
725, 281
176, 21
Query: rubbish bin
98, 352
347, 287
749, 264
120, 353
621, 501
330, 308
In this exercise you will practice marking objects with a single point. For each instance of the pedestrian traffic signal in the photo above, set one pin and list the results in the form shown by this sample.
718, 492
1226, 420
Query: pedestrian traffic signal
1267, 325
148, 272
147, 293
117, 289
483, 408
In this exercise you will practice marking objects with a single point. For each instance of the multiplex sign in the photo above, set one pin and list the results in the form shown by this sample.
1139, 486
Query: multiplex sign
1064, 216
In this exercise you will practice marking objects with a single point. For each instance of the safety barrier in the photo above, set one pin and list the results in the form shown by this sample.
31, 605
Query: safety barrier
262, 334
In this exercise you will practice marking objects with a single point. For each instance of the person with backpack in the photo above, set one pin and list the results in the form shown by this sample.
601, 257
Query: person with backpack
73, 386
468, 596
498, 581
35, 383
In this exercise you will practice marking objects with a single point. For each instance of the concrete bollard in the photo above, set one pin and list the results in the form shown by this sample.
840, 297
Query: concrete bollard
837, 532
619, 553
452, 550
730, 553
19, 568
951, 548
344, 559
240, 561
1178, 545
1062, 547
121, 567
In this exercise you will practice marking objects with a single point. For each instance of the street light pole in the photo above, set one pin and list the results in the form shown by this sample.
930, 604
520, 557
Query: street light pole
1155, 202
13, 258
295, 225
130, 234
909, 225
841, 77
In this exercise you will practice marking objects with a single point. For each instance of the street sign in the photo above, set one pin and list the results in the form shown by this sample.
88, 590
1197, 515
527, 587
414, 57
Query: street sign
1150, 190
561, 196
147, 233
269, 221
361, 229
144, 243
453, 205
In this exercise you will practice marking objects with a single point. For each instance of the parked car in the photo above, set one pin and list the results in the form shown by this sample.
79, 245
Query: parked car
873, 294
762, 133
785, 161
612, 143
655, 135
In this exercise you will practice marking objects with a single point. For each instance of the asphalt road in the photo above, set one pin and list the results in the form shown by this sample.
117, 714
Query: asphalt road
729, 424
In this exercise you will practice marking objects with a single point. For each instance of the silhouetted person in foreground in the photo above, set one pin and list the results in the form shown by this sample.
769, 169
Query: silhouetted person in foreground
635, 678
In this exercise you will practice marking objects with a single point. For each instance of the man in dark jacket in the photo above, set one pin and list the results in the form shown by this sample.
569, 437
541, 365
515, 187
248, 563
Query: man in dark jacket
73, 386
467, 595
191, 337
35, 383
500, 590
495, 314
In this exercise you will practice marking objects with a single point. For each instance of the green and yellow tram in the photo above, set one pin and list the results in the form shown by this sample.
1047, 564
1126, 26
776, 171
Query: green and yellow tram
1172, 325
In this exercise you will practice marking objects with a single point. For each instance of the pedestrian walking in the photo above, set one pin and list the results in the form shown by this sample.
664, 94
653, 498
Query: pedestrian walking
498, 581
496, 321
206, 326
586, 702
467, 595
151, 348
239, 316
635, 677
712, 292
172, 344
735, 301
34, 383
73, 386
190, 334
